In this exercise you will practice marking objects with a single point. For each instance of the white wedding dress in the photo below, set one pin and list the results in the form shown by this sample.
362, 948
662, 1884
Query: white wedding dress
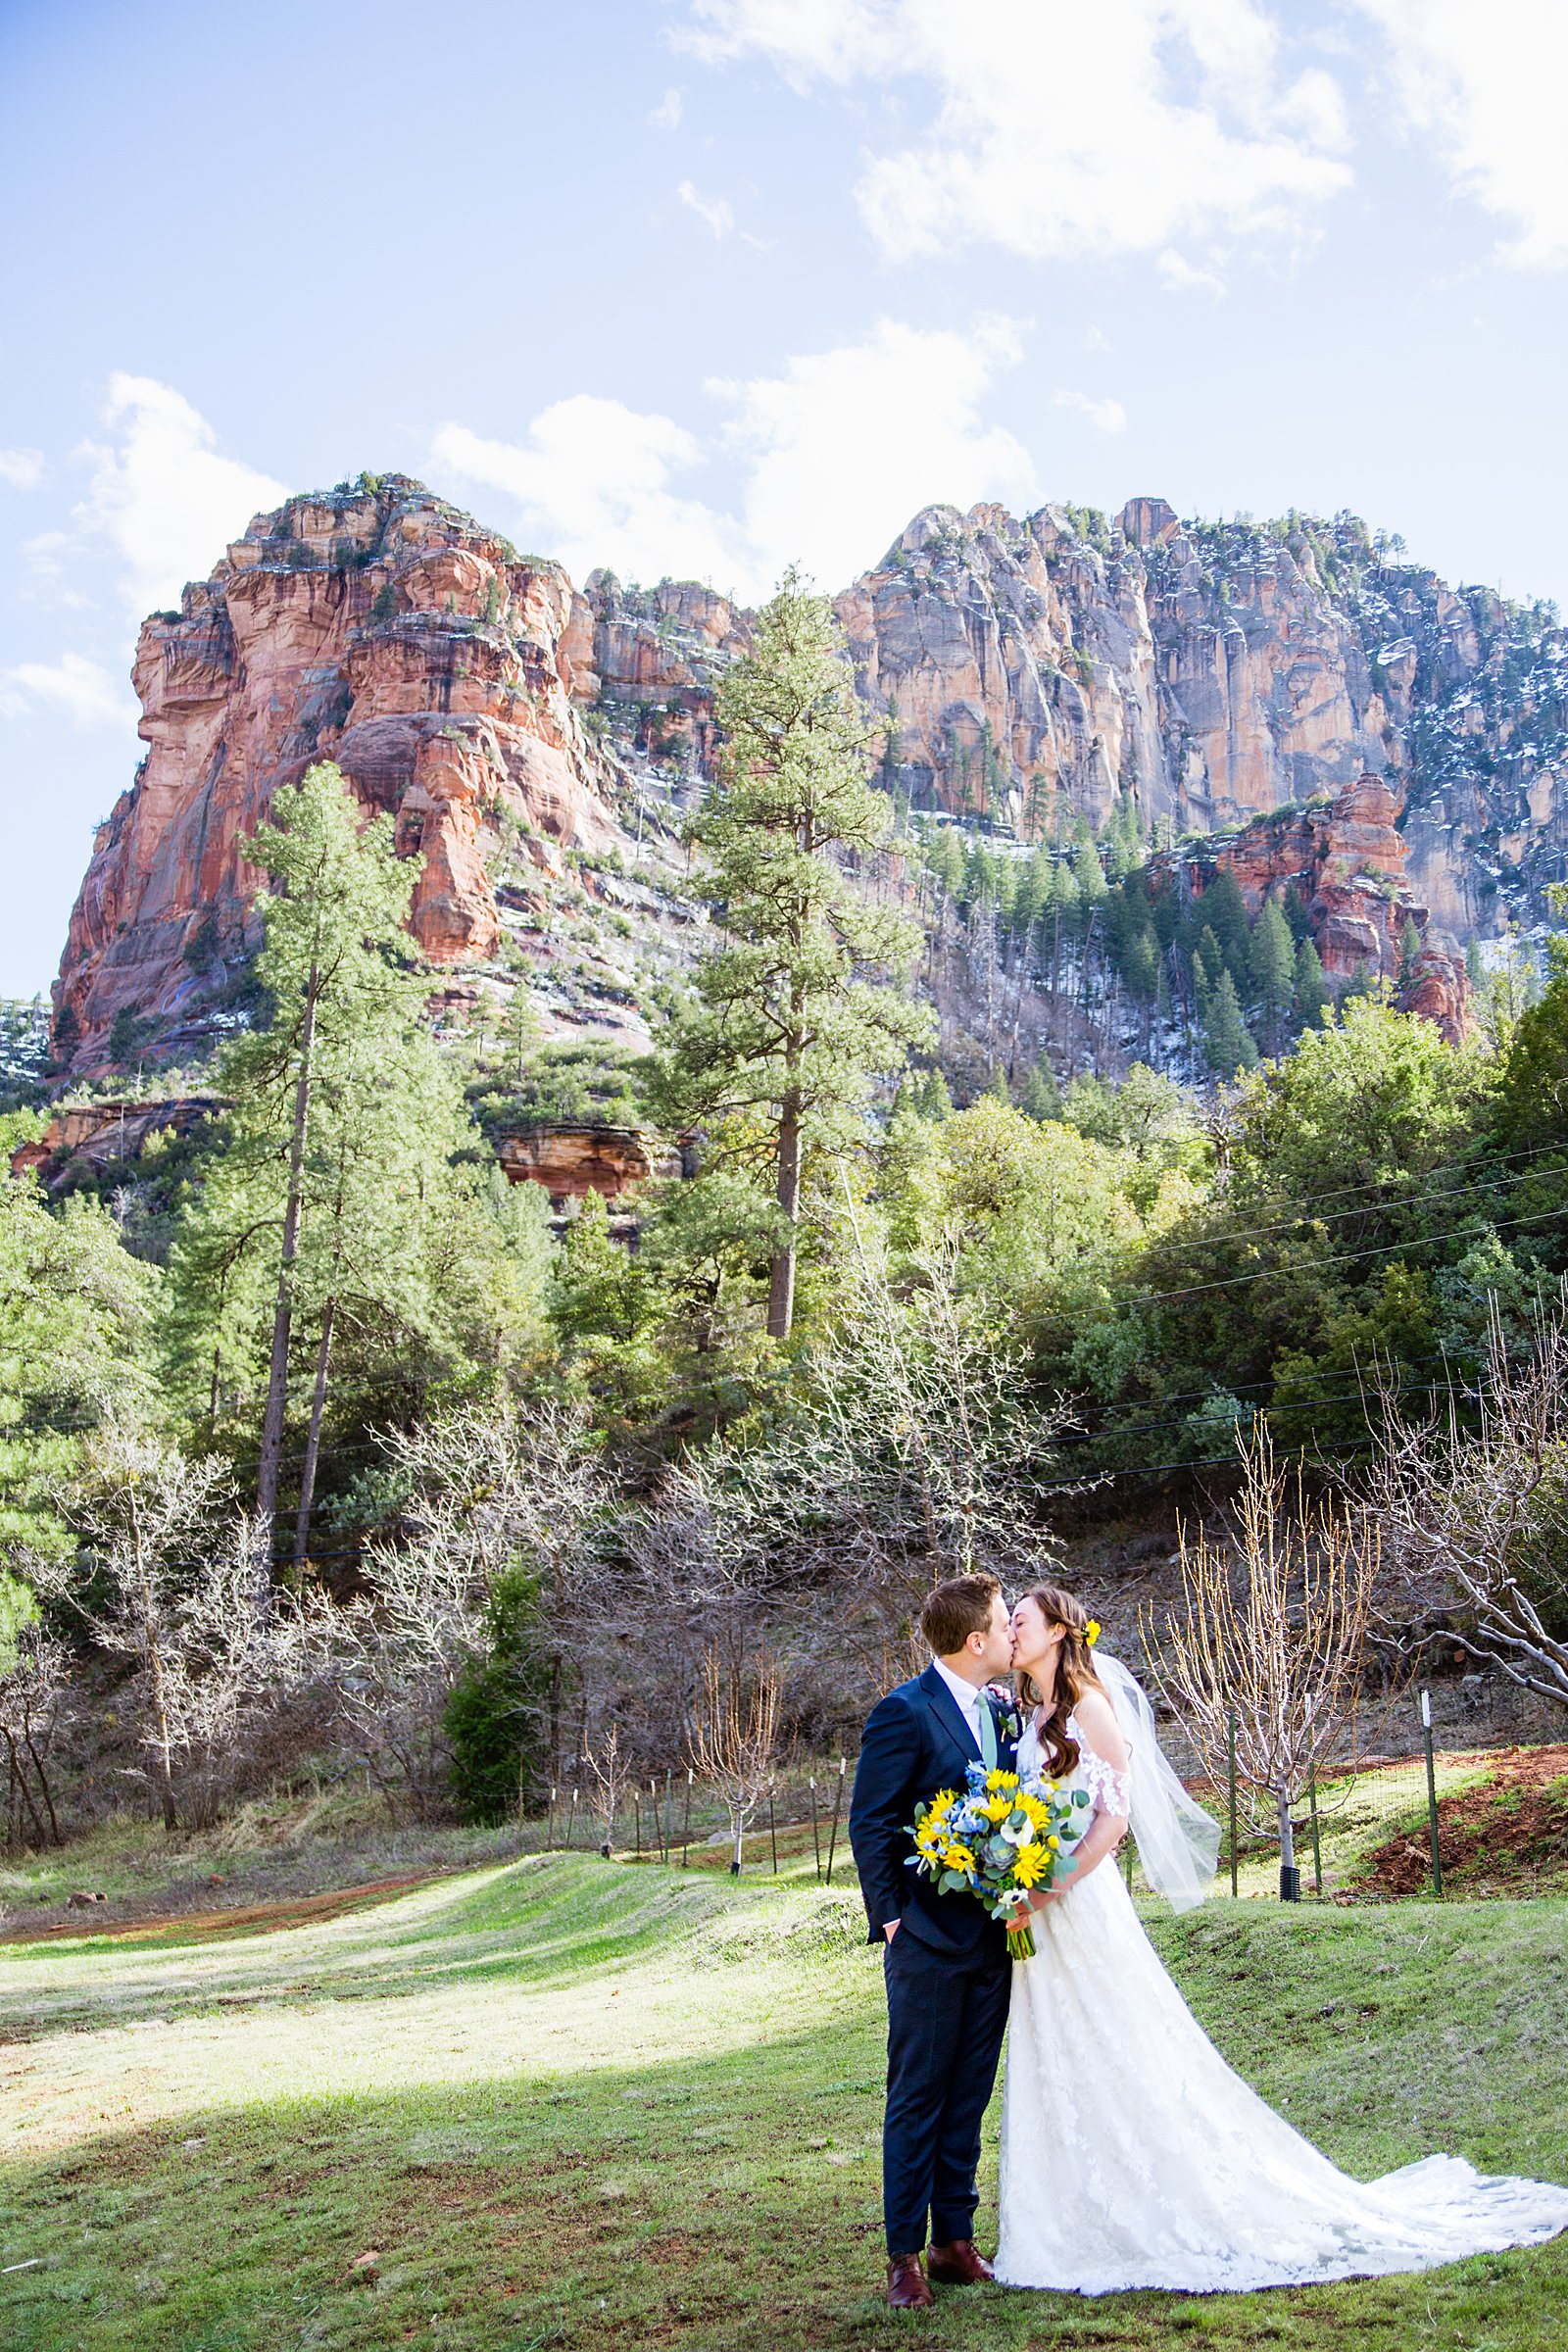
1132, 2155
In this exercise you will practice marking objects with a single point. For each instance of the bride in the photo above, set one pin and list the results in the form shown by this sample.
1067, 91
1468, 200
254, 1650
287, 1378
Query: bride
1131, 2154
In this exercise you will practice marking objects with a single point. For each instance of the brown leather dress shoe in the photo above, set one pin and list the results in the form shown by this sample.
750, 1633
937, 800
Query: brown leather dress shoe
959, 2264
907, 2286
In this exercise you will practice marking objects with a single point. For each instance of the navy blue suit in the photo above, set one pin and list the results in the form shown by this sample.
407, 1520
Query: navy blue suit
947, 1970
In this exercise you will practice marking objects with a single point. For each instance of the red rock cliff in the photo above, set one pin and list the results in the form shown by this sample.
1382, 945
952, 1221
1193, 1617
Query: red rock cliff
1346, 860
379, 627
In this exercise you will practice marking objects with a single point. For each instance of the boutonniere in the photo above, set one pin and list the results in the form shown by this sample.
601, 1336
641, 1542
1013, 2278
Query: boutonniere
1010, 1720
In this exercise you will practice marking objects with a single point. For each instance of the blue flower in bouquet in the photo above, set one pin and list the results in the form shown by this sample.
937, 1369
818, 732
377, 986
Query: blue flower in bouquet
995, 1839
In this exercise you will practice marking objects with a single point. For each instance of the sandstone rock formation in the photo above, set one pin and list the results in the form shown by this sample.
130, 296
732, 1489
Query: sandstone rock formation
1346, 860
1212, 672
1192, 676
101, 1133
377, 626
570, 1162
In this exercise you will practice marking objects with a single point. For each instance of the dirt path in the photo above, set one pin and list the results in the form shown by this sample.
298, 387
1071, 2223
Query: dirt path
297, 1911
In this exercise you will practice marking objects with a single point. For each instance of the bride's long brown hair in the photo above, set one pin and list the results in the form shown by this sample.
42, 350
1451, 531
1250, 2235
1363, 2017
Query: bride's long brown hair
1075, 1674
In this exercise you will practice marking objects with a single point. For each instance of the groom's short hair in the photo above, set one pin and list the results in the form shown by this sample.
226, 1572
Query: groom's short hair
960, 1605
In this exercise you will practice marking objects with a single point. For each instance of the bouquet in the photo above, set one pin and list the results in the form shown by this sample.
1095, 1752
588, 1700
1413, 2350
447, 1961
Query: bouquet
995, 1839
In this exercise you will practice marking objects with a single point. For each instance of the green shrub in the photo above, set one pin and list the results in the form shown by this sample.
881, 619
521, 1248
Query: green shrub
491, 1713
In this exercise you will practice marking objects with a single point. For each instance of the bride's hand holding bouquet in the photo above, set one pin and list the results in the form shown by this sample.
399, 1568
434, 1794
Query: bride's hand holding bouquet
1001, 1839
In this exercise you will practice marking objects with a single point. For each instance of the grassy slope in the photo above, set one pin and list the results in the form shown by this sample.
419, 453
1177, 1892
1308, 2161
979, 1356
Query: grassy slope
565, 2100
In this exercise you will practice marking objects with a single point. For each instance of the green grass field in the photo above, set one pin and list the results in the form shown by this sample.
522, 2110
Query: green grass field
566, 2103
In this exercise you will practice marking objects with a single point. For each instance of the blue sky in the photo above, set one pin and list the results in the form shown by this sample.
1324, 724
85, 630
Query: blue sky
707, 285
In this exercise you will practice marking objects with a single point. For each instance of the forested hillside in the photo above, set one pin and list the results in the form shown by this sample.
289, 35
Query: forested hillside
448, 1360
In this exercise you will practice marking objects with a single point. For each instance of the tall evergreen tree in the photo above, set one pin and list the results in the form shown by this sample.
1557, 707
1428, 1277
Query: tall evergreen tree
1311, 988
1227, 1042
1409, 953
1223, 908
335, 1168
945, 858
1273, 969
1208, 963
800, 1008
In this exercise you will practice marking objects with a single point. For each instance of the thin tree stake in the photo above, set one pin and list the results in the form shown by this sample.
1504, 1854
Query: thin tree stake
833, 1836
1432, 1792
1230, 1757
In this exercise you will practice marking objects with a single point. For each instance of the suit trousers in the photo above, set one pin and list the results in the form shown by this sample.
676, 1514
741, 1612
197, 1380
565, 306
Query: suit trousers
947, 2015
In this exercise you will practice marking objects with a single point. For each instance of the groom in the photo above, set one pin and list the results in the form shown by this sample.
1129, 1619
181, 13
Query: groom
946, 1960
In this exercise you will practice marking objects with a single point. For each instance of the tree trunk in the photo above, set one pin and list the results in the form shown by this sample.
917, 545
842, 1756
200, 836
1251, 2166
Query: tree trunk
781, 1272
1286, 1833
19, 1781
313, 1442
283, 1309
44, 1780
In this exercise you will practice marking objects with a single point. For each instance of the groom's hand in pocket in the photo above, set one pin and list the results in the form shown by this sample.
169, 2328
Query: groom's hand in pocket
890, 1927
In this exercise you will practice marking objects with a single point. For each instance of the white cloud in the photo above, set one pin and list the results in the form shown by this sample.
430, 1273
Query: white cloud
22, 468
1485, 85
846, 444
1105, 416
714, 211
82, 692
1096, 339
162, 494
667, 115
1179, 275
592, 484
832, 457
1113, 129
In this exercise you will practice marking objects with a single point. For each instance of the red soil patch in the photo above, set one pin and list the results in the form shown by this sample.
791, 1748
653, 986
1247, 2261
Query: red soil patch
1506, 1835
297, 1911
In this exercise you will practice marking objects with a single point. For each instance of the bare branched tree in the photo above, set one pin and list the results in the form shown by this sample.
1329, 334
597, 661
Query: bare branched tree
733, 1733
171, 1576
1273, 1629
34, 1678
1475, 1519
484, 1491
610, 1766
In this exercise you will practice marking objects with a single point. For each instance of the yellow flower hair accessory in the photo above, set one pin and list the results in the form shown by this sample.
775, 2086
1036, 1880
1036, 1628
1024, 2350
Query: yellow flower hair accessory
1092, 1631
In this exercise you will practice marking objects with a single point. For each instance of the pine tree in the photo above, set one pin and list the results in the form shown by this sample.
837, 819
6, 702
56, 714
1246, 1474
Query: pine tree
1223, 908
343, 1117
1089, 876
801, 1008
945, 858
1063, 917
1227, 1042
1207, 965
1311, 988
1273, 969
1409, 953
1475, 968
1041, 1099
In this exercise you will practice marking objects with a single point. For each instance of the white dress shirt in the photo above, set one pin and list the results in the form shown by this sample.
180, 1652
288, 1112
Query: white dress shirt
970, 1698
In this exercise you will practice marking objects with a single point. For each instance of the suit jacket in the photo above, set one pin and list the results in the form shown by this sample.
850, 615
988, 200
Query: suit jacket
915, 1742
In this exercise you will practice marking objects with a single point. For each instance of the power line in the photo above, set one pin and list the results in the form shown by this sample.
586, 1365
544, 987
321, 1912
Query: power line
1316, 1215
1342, 1259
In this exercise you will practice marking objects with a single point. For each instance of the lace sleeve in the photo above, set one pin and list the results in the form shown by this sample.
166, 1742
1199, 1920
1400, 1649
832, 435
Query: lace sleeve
1110, 1790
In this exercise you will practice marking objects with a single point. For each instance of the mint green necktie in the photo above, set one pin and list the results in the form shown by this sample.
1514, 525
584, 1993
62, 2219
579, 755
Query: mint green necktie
988, 1735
